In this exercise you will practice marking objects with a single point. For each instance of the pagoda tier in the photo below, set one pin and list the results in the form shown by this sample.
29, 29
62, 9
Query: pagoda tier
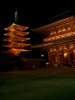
15, 39
17, 45
14, 51
16, 27
16, 33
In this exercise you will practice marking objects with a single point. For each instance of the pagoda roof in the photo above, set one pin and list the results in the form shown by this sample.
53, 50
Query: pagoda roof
17, 45
17, 33
16, 27
15, 39
14, 51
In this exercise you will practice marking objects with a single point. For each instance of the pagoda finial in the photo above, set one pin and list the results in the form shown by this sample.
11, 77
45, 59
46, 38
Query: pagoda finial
16, 16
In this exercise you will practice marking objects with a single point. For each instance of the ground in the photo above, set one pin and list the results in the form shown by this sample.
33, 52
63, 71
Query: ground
39, 84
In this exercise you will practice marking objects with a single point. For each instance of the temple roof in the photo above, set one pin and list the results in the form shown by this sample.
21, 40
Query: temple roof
53, 25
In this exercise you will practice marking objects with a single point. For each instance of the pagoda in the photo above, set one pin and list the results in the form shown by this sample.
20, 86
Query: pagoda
17, 37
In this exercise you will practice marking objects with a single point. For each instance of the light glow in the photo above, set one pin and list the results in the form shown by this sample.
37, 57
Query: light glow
65, 54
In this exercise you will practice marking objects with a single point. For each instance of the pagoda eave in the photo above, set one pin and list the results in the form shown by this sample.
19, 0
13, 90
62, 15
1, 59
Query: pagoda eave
16, 27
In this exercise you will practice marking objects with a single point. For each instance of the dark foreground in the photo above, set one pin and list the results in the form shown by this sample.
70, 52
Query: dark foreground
40, 84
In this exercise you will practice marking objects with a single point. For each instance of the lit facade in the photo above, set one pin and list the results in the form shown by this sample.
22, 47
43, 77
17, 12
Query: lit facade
59, 41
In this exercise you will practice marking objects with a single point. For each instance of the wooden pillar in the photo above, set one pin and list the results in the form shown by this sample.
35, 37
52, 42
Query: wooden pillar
61, 59
49, 57
57, 59
74, 56
69, 60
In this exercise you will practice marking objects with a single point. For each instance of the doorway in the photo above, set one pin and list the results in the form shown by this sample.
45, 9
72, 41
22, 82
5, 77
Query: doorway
71, 58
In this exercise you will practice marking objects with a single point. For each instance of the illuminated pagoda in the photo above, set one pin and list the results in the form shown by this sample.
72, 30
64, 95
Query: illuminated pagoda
17, 38
59, 41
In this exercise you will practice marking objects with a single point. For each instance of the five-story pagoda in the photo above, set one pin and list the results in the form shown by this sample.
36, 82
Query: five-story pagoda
16, 38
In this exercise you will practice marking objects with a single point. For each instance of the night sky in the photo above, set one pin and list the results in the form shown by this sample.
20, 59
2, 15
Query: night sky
32, 13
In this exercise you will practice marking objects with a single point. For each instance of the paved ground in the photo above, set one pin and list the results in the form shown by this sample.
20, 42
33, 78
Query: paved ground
38, 84
41, 72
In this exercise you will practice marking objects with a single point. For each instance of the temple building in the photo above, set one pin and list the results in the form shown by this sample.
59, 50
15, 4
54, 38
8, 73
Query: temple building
59, 41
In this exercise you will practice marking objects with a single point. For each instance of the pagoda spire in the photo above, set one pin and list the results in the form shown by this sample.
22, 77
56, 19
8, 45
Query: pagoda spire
16, 16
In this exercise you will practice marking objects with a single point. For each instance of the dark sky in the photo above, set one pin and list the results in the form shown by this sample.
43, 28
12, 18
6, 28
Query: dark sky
32, 13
